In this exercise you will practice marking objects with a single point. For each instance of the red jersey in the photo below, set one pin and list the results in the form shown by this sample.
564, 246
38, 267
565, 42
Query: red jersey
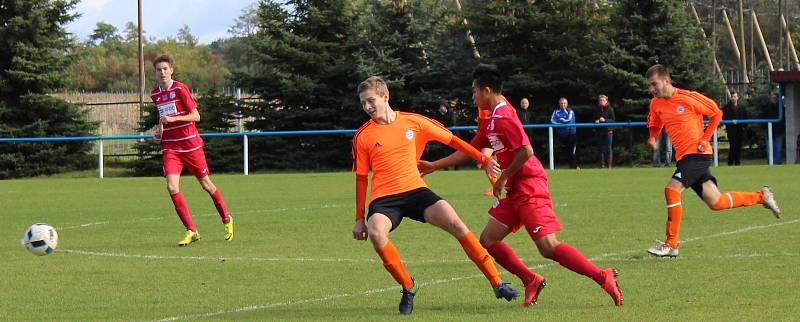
176, 100
682, 116
502, 131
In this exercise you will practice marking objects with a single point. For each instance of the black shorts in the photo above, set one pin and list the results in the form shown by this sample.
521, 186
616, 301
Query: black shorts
693, 170
411, 204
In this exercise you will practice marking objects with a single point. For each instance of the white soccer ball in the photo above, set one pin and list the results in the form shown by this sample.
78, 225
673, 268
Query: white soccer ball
40, 239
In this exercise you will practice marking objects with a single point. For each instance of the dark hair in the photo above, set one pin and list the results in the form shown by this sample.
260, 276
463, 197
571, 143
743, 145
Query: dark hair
163, 59
657, 70
487, 75
733, 91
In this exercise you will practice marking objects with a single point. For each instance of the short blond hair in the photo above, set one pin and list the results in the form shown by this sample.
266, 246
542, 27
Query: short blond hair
375, 83
602, 96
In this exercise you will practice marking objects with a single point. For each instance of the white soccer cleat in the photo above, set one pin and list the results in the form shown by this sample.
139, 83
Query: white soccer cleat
663, 250
769, 201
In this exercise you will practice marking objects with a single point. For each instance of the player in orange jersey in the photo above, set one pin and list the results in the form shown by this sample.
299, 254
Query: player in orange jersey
681, 112
527, 203
389, 145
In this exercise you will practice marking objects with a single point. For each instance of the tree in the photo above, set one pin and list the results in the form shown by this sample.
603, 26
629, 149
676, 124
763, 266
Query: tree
103, 33
34, 55
304, 77
186, 38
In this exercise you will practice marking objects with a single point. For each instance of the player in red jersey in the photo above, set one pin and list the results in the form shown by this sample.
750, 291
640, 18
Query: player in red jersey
681, 112
389, 145
181, 146
527, 202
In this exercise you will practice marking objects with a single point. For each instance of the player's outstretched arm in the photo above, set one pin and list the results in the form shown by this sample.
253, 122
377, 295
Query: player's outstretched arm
521, 156
360, 228
653, 137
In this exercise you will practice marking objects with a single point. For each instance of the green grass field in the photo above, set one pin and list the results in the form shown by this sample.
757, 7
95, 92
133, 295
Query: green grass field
294, 258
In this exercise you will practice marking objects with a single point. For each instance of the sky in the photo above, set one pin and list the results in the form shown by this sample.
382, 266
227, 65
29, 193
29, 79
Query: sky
208, 19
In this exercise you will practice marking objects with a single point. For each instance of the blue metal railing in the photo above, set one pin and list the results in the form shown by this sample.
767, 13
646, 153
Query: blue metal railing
550, 127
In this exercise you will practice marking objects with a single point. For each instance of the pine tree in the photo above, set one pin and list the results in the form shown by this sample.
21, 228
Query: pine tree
34, 53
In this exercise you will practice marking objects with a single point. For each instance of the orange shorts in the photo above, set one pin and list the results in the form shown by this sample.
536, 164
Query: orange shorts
527, 204
195, 161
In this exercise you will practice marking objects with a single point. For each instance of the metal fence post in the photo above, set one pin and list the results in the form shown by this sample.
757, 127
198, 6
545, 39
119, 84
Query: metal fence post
100, 158
550, 146
769, 144
245, 155
716, 152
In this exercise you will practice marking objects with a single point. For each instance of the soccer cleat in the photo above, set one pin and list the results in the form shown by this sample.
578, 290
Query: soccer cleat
611, 286
533, 289
229, 229
407, 299
191, 236
769, 201
504, 290
663, 250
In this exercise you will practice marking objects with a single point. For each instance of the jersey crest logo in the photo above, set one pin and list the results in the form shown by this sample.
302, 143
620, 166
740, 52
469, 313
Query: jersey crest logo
171, 95
164, 97
409, 134
681, 109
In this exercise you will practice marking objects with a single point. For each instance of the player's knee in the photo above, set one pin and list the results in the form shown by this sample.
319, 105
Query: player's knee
173, 189
377, 236
487, 241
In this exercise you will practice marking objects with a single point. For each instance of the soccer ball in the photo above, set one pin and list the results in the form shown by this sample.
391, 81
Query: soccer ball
40, 239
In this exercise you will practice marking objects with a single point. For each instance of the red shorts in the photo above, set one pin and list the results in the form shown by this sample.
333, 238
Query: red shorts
527, 204
195, 161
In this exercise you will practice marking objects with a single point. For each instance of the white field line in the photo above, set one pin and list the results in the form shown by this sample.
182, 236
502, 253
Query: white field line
254, 211
360, 260
448, 280
606, 256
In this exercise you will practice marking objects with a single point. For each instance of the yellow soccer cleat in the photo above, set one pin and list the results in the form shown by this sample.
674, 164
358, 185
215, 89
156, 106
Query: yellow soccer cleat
191, 236
229, 229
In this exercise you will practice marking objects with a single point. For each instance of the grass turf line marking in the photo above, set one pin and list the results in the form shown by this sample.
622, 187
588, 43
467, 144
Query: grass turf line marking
298, 259
602, 257
255, 211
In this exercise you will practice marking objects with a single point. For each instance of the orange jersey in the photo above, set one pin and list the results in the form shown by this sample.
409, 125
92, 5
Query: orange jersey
391, 152
682, 116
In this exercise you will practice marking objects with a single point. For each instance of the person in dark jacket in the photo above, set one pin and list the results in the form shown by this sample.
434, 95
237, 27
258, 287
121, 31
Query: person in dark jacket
604, 136
734, 111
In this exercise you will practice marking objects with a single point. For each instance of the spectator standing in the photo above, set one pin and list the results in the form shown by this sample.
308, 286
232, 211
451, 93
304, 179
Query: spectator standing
734, 111
566, 135
663, 140
604, 136
524, 115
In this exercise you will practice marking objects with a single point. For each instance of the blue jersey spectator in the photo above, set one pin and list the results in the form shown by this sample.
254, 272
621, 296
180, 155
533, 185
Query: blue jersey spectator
566, 135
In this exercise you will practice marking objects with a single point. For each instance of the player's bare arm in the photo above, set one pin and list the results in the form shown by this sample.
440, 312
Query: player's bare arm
521, 156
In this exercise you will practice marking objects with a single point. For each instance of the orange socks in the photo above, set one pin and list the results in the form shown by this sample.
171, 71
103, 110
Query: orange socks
480, 257
733, 199
393, 264
674, 215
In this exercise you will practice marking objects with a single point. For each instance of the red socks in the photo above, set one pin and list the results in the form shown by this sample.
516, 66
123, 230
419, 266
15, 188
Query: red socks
506, 257
183, 211
219, 203
572, 259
